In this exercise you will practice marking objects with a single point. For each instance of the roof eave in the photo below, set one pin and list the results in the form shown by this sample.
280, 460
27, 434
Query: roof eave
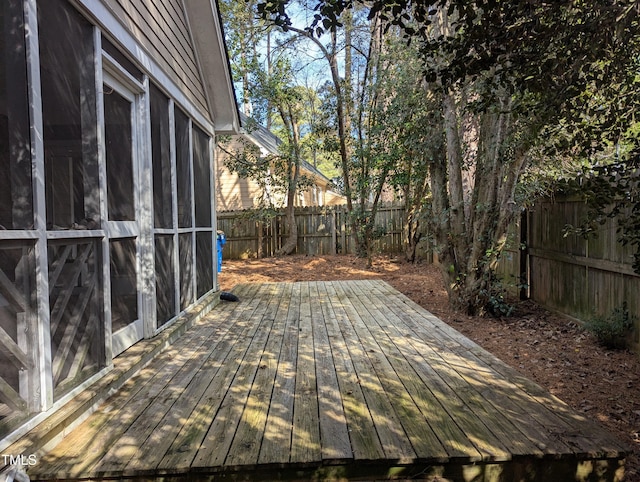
207, 32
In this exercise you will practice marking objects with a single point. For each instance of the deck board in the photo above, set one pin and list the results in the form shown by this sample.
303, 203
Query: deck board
333, 426
276, 441
344, 379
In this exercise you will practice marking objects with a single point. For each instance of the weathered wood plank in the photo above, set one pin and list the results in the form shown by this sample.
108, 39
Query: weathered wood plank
388, 425
247, 442
351, 378
497, 421
532, 415
333, 423
12, 294
185, 446
12, 398
443, 386
276, 442
401, 355
86, 445
80, 356
13, 352
183, 413
154, 414
58, 265
305, 441
413, 400
62, 299
365, 443
73, 324
215, 446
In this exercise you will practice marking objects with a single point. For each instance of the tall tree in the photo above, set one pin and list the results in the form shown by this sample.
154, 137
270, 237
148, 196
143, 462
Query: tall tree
352, 96
408, 132
287, 99
506, 74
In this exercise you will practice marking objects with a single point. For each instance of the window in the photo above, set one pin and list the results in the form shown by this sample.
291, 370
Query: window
186, 270
204, 260
67, 76
17, 301
77, 341
124, 288
16, 197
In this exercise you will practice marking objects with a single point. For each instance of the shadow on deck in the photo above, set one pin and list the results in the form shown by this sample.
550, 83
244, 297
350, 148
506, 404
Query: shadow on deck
330, 380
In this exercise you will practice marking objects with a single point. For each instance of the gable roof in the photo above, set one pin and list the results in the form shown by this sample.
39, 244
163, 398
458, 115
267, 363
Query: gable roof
260, 135
270, 142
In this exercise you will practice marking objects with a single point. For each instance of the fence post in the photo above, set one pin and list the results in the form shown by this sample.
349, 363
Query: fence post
334, 234
343, 233
259, 252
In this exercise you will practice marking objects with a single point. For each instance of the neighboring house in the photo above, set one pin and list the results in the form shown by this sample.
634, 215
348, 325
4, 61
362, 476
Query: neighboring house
236, 193
108, 111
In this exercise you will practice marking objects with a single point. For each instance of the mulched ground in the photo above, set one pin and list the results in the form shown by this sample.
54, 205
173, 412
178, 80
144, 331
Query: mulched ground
552, 350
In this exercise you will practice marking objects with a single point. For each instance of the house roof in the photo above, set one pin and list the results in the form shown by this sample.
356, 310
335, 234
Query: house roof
263, 137
260, 134
207, 31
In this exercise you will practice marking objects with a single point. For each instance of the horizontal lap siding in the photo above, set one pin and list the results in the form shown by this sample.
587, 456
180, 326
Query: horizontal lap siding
161, 27
233, 191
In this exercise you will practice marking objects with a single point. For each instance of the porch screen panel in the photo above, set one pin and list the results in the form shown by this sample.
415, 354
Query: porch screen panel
67, 76
118, 135
183, 169
17, 288
161, 158
204, 262
77, 328
16, 198
186, 270
202, 177
165, 278
124, 291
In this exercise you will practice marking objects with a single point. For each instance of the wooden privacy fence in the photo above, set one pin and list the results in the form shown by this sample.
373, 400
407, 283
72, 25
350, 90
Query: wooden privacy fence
321, 230
567, 273
577, 276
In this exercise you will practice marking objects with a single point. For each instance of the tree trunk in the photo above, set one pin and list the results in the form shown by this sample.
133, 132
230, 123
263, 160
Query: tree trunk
293, 175
291, 243
411, 232
471, 244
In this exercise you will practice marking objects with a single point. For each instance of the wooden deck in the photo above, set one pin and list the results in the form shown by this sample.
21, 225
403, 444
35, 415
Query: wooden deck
330, 380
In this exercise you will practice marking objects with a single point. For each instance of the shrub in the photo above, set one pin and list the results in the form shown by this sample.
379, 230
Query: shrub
611, 330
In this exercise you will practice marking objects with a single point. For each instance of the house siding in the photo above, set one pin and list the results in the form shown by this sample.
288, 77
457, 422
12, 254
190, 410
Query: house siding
232, 191
161, 27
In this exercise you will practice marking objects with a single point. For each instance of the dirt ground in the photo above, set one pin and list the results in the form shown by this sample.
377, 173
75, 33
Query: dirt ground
545, 347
